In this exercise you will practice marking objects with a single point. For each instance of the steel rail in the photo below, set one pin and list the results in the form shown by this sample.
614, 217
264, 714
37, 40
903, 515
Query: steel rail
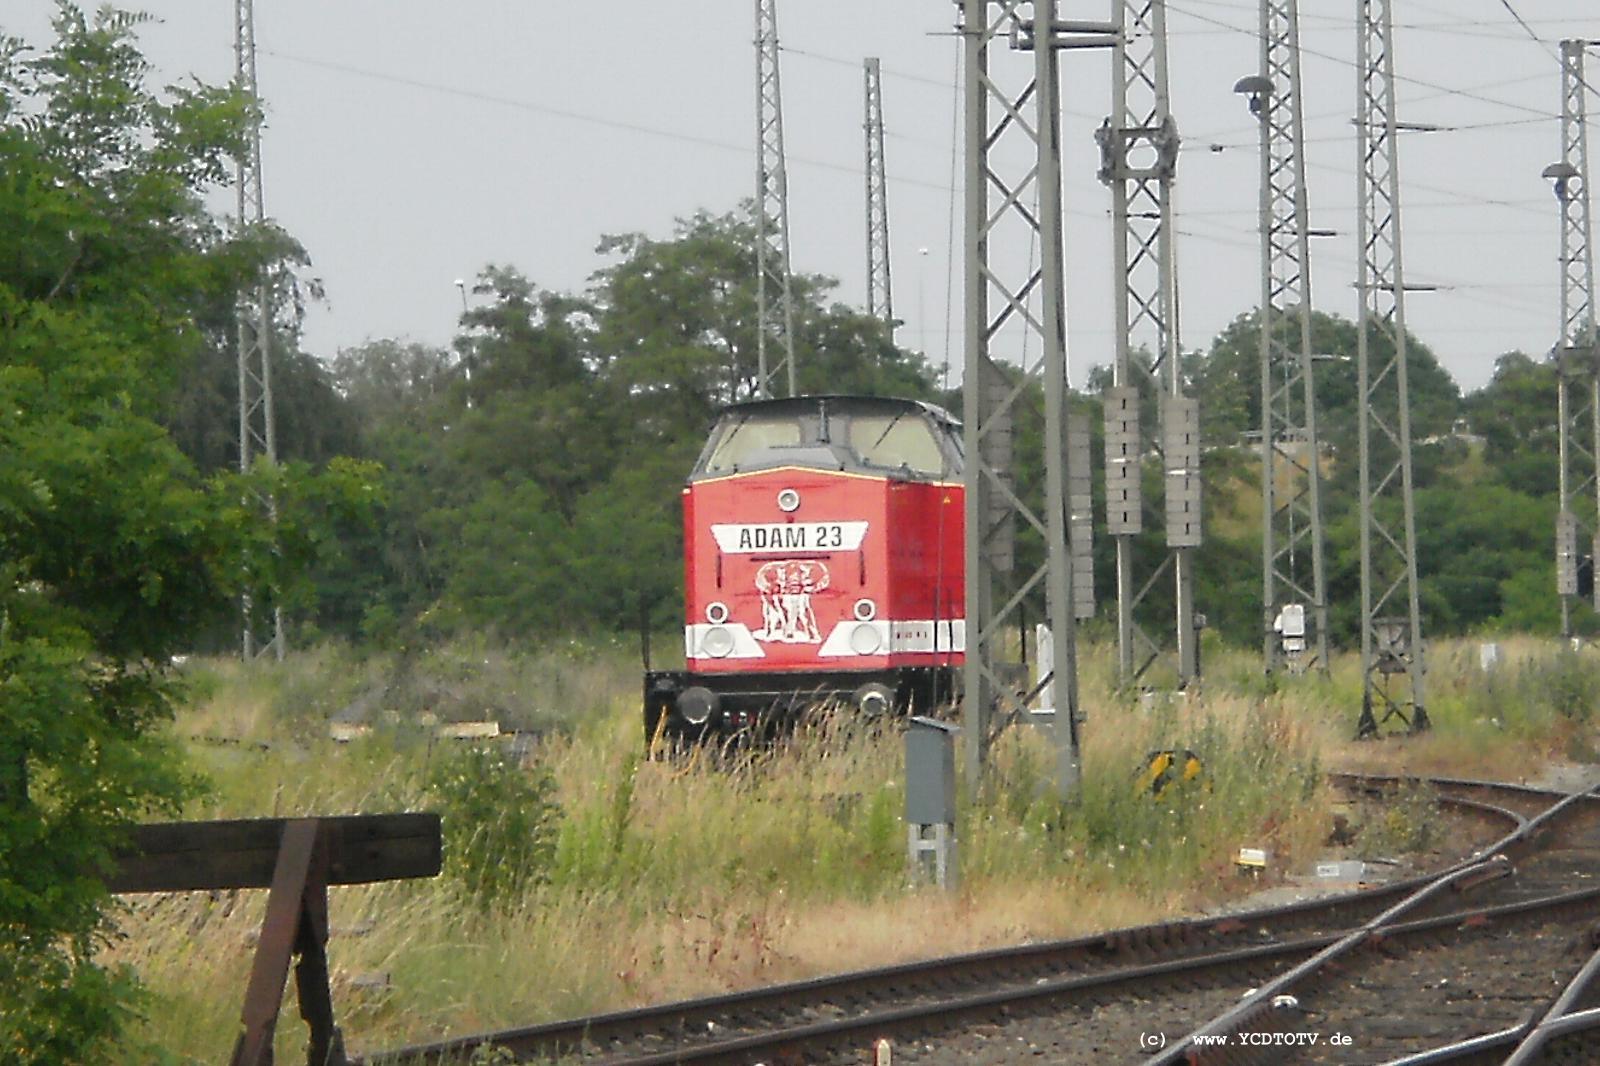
1205, 936
800, 1042
1259, 1008
1585, 1022
1490, 1049
1093, 950
1540, 798
947, 1011
1522, 1044
1549, 1026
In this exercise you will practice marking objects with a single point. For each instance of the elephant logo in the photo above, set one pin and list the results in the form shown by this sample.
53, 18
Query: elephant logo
786, 587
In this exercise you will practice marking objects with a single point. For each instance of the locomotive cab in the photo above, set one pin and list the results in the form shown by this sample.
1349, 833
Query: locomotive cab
822, 561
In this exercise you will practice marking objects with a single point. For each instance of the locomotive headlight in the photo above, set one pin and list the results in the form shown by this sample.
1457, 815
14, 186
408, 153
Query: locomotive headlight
788, 501
716, 612
717, 642
865, 610
865, 639
873, 699
697, 705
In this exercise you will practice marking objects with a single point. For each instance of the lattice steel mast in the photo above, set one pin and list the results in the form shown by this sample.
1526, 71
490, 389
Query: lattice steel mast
257, 431
1139, 160
1012, 163
1578, 387
774, 298
1391, 617
880, 295
1292, 554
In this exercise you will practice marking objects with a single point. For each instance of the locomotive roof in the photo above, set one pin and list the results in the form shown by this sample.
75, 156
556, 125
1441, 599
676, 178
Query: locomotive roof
803, 403
934, 454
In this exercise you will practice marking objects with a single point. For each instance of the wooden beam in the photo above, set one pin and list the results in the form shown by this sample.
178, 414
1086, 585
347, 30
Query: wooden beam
189, 856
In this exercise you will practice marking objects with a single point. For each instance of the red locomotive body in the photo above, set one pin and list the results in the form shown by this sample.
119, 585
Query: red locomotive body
823, 559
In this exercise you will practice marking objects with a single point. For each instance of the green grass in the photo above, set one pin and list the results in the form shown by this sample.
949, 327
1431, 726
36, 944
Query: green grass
590, 878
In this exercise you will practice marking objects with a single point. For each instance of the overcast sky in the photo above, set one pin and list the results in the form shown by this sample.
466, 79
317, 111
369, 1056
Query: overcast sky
409, 144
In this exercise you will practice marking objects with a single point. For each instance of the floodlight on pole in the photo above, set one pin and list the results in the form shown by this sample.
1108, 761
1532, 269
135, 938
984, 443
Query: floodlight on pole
1574, 353
1257, 88
1294, 597
1560, 174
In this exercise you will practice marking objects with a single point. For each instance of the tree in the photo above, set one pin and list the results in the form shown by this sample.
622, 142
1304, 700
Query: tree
532, 403
1516, 415
1228, 379
314, 422
677, 326
387, 383
113, 550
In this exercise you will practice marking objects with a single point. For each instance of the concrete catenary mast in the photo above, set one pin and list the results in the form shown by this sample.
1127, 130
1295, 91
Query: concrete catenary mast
880, 295
257, 432
1013, 194
1139, 161
1294, 594
1578, 387
774, 296
1391, 617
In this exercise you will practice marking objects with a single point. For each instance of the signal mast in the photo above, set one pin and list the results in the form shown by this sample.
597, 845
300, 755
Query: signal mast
1391, 615
1139, 161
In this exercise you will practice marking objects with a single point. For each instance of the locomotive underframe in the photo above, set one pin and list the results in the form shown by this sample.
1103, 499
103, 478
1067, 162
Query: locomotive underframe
764, 704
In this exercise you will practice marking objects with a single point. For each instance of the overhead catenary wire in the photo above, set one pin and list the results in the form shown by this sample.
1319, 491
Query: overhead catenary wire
743, 149
1529, 29
919, 177
645, 130
1341, 23
1343, 62
569, 115
1342, 116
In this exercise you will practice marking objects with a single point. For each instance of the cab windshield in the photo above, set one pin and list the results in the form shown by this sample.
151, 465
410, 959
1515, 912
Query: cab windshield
902, 439
739, 442
834, 433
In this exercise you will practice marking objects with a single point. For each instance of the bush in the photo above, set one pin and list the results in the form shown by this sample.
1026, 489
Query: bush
1569, 685
500, 824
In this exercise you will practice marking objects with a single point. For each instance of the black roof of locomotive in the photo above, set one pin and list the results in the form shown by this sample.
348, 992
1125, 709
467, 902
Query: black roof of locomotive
802, 403
825, 456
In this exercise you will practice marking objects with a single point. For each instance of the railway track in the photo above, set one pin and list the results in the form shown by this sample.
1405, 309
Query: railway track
1518, 971
1518, 907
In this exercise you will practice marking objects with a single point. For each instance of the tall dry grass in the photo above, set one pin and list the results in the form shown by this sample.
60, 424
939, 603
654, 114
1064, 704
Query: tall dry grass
715, 871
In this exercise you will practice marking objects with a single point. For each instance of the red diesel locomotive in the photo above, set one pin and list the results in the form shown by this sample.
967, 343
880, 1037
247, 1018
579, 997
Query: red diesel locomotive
822, 560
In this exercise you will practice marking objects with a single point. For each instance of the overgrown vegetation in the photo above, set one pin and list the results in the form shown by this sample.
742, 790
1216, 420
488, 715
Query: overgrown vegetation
631, 881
